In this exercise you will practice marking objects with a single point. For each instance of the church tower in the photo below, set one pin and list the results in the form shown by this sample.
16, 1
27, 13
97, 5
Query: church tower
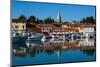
58, 19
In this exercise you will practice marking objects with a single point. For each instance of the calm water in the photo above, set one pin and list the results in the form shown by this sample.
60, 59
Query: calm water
53, 52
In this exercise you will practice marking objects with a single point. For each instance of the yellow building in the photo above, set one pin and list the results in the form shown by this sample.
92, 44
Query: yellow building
18, 27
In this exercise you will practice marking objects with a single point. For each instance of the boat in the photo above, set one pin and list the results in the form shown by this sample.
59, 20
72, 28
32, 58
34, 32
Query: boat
45, 38
33, 43
34, 37
18, 38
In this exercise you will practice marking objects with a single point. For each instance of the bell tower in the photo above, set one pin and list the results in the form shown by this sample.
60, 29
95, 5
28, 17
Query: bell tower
58, 19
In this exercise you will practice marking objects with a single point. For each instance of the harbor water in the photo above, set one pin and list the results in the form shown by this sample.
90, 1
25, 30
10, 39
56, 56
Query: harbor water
53, 51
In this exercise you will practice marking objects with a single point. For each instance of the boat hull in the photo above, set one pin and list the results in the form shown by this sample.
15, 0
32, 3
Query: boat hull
19, 39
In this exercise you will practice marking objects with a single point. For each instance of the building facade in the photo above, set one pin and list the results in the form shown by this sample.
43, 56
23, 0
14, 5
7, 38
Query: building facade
88, 30
46, 28
19, 27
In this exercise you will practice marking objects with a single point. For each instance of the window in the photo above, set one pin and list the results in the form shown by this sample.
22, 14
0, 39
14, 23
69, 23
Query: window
47, 28
23, 26
42, 28
16, 26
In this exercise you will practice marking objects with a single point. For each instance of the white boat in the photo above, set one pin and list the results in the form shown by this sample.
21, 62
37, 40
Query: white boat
33, 43
43, 39
33, 37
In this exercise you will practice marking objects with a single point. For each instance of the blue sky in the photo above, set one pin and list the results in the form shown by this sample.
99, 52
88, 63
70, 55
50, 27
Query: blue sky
44, 10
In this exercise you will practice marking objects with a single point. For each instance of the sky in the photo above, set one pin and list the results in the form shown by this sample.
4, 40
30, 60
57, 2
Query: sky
68, 12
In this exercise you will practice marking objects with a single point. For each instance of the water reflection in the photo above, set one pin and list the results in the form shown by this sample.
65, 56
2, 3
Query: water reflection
87, 46
88, 52
53, 51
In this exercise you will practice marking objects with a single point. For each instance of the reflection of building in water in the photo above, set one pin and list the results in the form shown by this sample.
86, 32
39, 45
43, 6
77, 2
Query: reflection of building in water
85, 45
71, 44
20, 51
58, 52
89, 52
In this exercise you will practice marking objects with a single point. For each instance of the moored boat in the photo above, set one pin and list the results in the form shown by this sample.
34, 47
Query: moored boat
18, 37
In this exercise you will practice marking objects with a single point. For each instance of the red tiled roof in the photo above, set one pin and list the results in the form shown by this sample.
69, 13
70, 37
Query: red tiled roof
45, 25
64, 30
57, 31
71, 29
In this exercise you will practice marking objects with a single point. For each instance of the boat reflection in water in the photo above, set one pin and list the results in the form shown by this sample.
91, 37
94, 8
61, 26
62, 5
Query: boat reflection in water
53, 51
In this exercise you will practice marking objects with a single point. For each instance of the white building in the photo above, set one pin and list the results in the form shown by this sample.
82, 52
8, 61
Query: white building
88, 31
87, 42
58, 34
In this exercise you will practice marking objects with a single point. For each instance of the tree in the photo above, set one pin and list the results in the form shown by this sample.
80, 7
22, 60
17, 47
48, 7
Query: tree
41, 21
14, 20
48, 20
74, 21
38, 21
65, 22
22, 18
89, 19
84, 20
32, 19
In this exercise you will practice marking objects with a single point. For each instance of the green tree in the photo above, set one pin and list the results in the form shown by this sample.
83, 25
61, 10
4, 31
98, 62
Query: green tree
22, 18
38, 21
48, 20
14, 20
90, 19
41, 21
32, 19
66, 22
74, 21
84, 20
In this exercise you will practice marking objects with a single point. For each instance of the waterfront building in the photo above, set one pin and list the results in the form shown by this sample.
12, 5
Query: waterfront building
58, 34
63, 33
64, 25
71, 30
88, 30
19, 27
46, 28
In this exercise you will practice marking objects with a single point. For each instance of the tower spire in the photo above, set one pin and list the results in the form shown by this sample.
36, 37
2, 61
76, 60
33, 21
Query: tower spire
58, 17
